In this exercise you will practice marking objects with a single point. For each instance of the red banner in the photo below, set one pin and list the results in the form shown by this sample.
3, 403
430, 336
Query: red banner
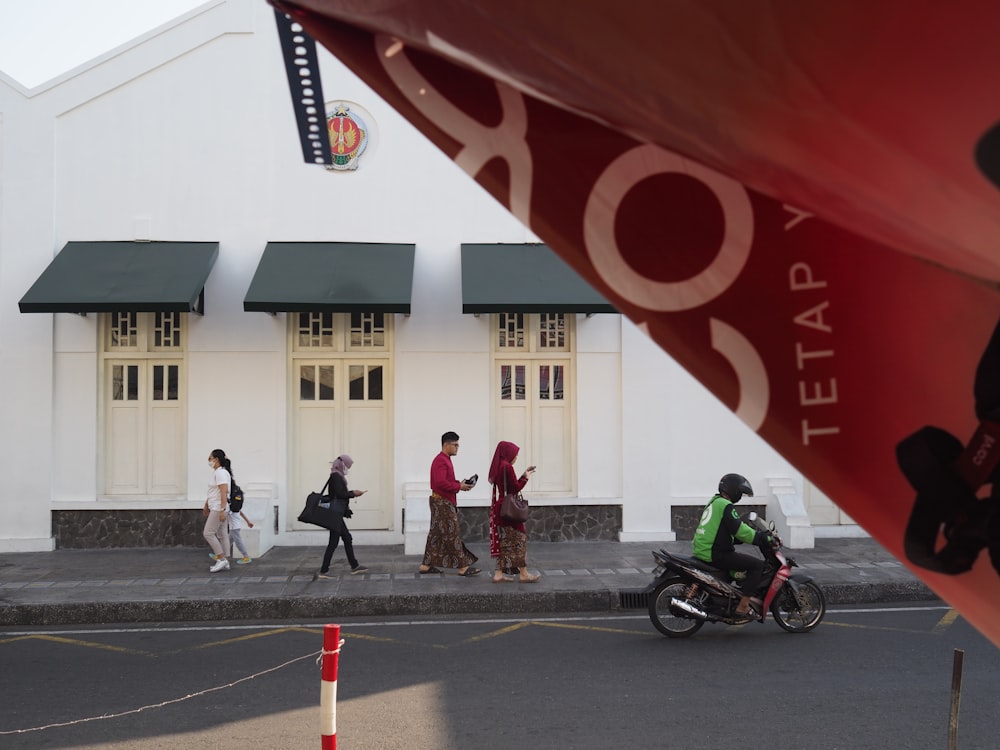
871, 369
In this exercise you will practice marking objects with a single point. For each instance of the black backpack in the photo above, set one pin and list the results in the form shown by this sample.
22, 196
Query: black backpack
235, 498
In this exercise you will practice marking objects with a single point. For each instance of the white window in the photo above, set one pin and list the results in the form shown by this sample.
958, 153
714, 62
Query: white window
144, 404
533, 404
341, 332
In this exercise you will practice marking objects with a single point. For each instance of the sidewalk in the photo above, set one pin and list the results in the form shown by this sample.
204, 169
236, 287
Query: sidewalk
158, 585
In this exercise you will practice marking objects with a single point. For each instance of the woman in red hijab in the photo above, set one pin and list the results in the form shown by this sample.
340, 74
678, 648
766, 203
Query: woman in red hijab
508, 541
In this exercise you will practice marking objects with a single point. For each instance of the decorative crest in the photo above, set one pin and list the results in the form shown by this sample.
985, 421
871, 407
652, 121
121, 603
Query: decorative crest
348, 136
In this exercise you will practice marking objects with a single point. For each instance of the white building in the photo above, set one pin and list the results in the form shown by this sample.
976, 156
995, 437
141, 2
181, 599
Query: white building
237, 298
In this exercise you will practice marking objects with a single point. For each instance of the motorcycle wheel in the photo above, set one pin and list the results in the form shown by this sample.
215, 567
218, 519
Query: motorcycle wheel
799, 612
663, 619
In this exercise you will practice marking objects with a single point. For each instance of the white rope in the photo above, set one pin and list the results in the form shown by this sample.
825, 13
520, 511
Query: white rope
167, 703
324, 652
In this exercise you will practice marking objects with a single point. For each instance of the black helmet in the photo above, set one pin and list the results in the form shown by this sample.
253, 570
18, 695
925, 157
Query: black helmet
735, 486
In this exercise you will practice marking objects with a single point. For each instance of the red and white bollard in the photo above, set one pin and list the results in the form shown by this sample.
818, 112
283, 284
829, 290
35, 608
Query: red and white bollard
328, 691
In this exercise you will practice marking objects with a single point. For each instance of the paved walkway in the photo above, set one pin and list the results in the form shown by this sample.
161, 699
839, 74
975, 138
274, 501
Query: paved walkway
156, 585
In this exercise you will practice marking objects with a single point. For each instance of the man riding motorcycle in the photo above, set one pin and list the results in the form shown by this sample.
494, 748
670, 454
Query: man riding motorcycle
720, 526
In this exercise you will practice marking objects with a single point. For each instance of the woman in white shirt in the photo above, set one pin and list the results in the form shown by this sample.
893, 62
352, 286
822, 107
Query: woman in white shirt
216, 508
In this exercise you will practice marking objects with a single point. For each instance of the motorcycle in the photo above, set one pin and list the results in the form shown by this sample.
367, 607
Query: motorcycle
687, 592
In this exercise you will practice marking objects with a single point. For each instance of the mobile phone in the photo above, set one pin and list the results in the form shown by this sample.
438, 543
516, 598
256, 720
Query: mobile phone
471, 481
532, 468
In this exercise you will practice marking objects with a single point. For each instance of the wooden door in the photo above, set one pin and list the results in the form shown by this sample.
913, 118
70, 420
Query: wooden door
341, 406
533, 411
144, 428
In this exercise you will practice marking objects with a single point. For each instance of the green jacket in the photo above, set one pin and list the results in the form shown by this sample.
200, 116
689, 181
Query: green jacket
720, 524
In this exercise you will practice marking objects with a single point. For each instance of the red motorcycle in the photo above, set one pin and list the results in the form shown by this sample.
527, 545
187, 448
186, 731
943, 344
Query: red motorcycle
688, 592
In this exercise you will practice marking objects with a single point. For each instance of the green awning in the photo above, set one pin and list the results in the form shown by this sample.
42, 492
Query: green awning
524, 278
332, 277
124, 277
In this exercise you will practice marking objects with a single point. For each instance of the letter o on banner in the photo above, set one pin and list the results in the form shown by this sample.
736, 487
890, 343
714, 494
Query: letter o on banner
599, 232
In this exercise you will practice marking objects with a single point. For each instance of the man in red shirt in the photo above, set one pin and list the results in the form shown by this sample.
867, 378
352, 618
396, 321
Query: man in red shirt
444, 548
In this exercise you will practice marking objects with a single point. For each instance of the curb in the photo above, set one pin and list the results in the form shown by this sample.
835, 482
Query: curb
307, 607
303, 607
878, 593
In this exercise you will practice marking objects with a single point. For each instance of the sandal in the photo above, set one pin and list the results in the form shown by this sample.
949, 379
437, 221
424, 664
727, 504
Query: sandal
529, 579
470, 571
429, 571
504, 579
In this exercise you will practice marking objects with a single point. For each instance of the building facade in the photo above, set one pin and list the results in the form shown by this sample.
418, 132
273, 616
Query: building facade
175, 279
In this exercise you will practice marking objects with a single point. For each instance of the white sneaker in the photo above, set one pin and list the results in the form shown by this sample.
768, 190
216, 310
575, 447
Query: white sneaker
222, 564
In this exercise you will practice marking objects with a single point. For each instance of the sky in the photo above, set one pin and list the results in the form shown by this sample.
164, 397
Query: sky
42, 39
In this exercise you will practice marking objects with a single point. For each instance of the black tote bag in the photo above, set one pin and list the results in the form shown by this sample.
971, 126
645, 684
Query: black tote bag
316, 514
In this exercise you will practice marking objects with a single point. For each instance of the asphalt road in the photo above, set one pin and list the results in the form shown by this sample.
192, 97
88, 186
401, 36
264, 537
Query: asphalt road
865, 678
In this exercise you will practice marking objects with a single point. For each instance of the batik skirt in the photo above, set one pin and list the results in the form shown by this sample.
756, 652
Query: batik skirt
513, 549
444, 547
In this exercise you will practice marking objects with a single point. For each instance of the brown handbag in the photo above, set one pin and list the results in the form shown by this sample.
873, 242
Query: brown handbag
514, 508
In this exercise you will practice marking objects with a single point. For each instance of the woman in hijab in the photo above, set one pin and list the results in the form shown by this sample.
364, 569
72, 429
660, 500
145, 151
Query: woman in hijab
339, 469
508, 541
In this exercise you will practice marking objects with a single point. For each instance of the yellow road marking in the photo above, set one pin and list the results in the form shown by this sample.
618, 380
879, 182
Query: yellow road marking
947, 621
313, 631
263, 634
77, 642
383, 639
729, 631
539, 624
593, 628
941, 627
910, 631
495, 633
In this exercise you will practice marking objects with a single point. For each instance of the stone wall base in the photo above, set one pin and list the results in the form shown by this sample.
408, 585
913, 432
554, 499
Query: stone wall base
107, 529
551, 523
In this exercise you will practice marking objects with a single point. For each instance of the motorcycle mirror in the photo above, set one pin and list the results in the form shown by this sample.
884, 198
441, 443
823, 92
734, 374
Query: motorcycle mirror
771, 527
